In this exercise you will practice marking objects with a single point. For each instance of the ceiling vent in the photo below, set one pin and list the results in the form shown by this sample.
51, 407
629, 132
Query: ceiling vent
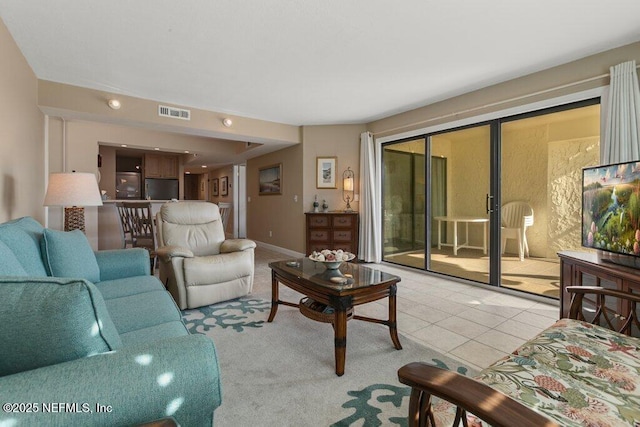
173, 112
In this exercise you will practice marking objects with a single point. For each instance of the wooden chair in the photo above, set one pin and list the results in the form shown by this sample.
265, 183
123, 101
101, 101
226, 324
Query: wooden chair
142, 228
125, 228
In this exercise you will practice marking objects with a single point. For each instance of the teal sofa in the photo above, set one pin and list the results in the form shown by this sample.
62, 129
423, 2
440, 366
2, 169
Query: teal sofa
91, 338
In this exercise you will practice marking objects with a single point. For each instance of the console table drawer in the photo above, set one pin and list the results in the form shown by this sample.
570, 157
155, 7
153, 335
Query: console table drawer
342, 235
319, 236
319, 221
343, 221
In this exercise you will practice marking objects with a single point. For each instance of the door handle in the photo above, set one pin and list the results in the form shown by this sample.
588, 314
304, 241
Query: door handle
488, 205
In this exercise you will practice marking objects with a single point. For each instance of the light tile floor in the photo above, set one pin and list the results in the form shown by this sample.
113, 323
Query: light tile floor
472, 324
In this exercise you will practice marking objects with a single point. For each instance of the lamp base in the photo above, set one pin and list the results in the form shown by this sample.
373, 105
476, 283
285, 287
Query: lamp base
74, 219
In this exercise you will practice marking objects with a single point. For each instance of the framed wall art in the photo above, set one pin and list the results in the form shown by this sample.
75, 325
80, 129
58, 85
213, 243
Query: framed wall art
270, 180
224, 186
326, 172
214, 187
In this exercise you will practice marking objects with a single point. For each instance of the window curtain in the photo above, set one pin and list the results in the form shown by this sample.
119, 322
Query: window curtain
370, 248
621, 140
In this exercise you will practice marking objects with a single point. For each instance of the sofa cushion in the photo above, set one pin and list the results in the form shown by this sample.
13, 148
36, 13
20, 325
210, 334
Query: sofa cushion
140, 311
129, 286
68, 254
23, 236
10, 266
161, 331
51, 320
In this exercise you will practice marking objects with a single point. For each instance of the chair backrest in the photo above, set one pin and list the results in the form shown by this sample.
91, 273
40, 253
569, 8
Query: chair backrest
516, 215
140, 220
125, 228
193, 225
225, 212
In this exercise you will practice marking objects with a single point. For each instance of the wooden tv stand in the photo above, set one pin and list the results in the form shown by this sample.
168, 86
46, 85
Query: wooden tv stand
589, 269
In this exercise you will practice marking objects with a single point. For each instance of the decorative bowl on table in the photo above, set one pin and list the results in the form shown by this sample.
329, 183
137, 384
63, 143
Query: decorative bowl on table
332, 260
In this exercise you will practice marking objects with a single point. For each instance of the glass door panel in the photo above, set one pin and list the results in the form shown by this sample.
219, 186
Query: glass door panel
541, 176
403, 203
460, 175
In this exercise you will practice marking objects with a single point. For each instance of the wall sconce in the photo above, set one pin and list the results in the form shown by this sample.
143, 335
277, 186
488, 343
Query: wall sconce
347, 188
114, 104
227, 122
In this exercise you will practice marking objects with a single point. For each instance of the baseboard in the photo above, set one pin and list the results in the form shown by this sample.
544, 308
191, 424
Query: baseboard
275, 248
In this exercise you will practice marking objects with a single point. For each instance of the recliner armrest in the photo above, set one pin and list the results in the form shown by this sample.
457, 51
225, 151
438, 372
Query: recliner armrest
236, 245
165, 253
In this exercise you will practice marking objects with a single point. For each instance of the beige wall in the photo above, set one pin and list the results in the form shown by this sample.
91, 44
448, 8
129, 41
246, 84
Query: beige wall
468, 105
22, 175
341, 141
280, 214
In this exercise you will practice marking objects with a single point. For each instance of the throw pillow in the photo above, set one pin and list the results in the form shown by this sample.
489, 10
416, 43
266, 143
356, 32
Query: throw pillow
10, 266
48, 320
68, 254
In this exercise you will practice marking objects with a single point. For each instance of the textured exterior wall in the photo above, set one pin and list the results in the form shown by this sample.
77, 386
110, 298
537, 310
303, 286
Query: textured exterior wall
524, 178
566, 160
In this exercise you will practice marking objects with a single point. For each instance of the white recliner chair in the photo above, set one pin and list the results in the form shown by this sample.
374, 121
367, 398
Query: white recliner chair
198, 266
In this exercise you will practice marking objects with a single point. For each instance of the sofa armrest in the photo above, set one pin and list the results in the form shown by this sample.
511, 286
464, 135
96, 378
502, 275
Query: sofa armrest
236, 245
477, 398
165, 253
121, 263
176, 377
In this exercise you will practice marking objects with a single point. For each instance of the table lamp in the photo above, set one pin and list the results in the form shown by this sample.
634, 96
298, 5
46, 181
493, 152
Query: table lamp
347, 188
73, 191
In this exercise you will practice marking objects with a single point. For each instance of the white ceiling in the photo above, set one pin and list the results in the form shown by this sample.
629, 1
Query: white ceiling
308, 61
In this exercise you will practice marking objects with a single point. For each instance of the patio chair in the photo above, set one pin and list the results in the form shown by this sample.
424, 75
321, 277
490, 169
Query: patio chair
515, 218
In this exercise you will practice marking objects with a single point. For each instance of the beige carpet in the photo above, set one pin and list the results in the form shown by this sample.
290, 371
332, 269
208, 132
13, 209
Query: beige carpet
538, 276
282, 373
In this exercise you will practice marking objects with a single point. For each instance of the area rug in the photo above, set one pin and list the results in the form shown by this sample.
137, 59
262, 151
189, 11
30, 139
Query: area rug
283, 374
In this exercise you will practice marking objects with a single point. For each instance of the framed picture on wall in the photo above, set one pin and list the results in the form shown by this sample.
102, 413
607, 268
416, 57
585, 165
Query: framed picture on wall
214, 187
224, 186
326, 172
270, 180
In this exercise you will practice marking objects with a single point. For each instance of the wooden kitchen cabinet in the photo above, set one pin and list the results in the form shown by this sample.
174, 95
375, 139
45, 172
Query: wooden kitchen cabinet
160, 166
333, 231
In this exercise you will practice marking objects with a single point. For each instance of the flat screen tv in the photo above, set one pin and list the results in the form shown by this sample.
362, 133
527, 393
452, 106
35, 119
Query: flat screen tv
611, 208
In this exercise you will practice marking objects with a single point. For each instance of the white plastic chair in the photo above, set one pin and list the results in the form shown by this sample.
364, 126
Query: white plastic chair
225, 211
516, 217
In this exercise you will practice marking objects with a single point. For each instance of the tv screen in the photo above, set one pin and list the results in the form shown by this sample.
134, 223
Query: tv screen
611, 208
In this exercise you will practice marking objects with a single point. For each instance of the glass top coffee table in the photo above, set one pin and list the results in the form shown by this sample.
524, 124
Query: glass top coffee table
332, 294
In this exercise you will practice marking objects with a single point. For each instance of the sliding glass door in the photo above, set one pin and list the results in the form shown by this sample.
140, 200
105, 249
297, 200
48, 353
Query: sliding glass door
460, 177
501, 198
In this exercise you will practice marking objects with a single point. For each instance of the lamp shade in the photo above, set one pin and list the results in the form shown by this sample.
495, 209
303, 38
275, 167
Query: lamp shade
348, 183
72, 189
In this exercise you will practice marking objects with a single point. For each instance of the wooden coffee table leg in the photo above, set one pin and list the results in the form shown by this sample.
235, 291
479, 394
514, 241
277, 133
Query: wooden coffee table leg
393, 324
340, 339
274, 296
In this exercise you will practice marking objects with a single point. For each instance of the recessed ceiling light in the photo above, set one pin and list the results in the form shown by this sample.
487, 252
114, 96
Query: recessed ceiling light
157, 149
188, 173
123, 145
204, 166
186, 151
114, 104
227, 122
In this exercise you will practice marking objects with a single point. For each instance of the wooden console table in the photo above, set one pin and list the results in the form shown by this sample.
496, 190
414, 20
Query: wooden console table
588, 269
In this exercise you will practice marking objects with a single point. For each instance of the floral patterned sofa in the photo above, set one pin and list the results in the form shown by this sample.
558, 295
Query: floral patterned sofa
575, 373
